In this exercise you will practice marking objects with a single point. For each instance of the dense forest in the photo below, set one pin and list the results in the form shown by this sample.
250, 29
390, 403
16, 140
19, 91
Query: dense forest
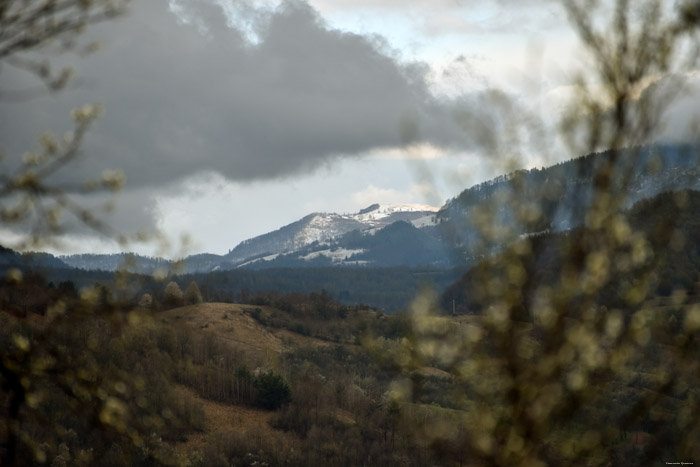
390, 289
564, 193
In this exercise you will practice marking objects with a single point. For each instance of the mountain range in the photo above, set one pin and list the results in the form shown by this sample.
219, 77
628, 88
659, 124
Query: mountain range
553, 199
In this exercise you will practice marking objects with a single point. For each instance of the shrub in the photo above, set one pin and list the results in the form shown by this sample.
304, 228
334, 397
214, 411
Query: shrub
273, 391
173, 294
146, 301
192, 294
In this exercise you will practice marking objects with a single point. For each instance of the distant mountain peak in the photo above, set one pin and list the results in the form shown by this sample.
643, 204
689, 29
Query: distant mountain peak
324, 228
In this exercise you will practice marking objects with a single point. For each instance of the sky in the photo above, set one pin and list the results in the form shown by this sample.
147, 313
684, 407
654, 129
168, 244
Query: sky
232, 118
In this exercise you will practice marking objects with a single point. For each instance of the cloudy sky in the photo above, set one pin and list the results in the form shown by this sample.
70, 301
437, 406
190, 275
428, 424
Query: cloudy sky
231, 118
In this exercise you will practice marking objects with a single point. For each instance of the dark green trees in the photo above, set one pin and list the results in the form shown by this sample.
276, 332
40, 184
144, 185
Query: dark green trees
273, 391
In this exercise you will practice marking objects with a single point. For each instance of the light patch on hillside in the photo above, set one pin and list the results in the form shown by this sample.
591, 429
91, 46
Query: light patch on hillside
337, 256
386, 210
423, 221
257, 260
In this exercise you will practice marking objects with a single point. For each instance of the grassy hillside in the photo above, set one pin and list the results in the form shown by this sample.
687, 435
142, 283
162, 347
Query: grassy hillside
358, 388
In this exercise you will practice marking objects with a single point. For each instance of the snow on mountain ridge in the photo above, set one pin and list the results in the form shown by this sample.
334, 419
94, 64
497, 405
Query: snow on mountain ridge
385, 210
336, 256
323, 227
326, 227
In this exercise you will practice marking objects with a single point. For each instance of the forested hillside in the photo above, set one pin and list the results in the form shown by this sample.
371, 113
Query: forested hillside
562, 194
668, 227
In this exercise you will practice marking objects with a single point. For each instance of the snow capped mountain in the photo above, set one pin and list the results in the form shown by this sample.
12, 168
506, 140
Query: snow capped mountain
326, 227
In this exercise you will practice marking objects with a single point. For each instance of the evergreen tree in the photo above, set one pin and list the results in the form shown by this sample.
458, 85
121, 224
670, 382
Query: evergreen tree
273, 391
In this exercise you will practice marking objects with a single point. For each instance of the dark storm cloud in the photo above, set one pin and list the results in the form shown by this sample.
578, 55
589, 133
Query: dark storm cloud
181, 99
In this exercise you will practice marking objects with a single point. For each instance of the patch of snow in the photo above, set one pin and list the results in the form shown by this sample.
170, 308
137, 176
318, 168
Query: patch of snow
424, 221
336, 256
386, 210
533, 234
256, 260
322, 228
